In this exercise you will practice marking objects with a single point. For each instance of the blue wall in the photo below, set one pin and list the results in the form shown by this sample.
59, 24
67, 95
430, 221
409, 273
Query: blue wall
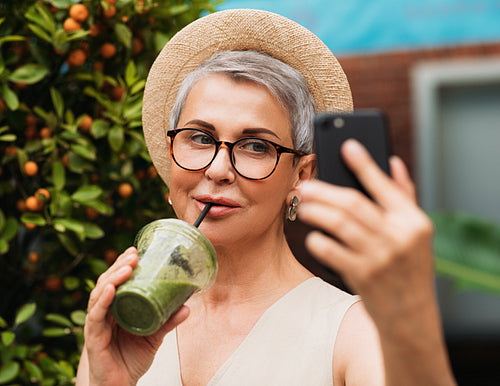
354, 26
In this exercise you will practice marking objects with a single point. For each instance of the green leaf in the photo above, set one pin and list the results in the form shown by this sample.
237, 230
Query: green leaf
10, 97
57, 101
2, 220
130, 72
468, 250
68, 223
4, 246
8, 337
93, 231
139, 86
78, 317
67, 369
86, 193
101, 207
29, 73
87, 152
26, 312
100, 128
33, 370
41, 15
11, 38
8, 137
55, 332
123, 34
10, 229
68, 244
58, 175
75, 162
33, 218
9, 371
116, 138
3, 323
38, 31
71, 283
59, 319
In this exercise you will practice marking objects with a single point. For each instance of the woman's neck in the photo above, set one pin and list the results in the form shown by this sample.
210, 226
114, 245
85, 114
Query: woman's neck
255, 272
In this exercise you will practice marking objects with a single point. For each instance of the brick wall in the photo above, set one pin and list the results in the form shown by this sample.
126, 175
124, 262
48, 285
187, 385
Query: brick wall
383, 81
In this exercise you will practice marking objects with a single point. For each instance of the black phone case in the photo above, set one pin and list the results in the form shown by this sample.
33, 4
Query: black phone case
332, 129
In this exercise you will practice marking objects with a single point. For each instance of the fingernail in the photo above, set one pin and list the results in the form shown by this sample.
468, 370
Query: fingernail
353, 146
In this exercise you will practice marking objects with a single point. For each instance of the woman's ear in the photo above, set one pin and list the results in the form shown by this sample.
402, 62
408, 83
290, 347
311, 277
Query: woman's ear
306, 168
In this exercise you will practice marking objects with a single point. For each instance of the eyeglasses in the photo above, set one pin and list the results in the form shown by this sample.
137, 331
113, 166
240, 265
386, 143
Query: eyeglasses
251, 157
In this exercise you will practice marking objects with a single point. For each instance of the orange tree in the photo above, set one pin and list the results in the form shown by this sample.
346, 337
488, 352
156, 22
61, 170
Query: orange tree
76, 181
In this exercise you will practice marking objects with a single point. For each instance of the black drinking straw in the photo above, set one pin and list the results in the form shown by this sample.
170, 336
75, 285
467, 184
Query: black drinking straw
202, 214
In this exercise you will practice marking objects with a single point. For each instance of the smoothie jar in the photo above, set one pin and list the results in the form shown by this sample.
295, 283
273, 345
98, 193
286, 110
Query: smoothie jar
175, 260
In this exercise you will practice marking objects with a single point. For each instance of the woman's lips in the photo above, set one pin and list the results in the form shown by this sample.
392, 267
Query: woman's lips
221, 206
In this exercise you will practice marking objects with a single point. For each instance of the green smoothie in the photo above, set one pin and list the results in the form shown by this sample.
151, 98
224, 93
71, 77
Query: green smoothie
175, 260
136, 310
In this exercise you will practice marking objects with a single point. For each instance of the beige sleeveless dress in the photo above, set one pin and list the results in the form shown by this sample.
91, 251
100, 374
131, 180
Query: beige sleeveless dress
291, 344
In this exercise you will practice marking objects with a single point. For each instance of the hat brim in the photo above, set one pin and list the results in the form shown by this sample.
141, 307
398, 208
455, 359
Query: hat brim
239, 29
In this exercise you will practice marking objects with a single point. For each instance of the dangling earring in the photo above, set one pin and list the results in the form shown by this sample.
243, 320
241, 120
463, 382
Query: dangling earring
169, 200
292, 209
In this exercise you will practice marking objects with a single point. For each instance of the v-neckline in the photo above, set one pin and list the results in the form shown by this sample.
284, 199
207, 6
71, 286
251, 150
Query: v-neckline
227, 363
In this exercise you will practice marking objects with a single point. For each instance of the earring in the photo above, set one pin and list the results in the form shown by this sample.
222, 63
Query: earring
169, 200
292, 209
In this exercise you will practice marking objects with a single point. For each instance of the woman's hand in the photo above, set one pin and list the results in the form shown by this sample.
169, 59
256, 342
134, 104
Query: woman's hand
382, 247
112, 356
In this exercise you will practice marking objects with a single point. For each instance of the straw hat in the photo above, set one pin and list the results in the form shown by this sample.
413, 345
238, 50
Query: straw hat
239, 29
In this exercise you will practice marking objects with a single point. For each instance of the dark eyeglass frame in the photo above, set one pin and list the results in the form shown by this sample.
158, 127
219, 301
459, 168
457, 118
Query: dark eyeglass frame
230, 145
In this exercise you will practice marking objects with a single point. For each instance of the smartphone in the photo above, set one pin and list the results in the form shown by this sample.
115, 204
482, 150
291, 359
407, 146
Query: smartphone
332, 129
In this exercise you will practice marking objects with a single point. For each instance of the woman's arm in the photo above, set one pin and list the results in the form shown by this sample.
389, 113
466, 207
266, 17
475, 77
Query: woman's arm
383, 250
111, 355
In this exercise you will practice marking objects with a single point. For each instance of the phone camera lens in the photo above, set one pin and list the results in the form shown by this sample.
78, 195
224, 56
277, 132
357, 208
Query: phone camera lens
338, 123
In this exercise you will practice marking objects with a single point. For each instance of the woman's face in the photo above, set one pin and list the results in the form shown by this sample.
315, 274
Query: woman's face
230, 110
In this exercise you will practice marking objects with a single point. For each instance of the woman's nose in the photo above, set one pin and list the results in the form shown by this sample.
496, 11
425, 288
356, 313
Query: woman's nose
221, 168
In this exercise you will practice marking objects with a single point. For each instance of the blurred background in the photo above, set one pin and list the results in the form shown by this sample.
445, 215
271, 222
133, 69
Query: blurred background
433, 66
76, 182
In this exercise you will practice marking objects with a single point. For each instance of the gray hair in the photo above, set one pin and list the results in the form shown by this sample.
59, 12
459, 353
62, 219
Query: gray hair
285, 83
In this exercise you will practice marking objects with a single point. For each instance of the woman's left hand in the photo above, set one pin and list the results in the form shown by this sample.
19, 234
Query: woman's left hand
382, 246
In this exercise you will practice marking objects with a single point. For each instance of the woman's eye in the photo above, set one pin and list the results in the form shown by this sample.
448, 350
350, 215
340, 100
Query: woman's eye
202, 139
256, 146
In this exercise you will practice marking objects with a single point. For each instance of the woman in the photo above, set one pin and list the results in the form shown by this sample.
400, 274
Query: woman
267, 320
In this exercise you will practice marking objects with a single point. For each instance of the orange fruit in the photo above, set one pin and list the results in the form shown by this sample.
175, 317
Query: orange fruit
86, 123
45, 133
91, 213
125, 190
30, 168
42, 192
152, 172
94, 178
137, 46
79, 12
110, 12
53, 283
71, 25
31, 120
98, 66
77, 58
30, 132
33, 257
34, 204
30, 225
20, 205
94, 30
65, 161
117, 93
11, 151
140, 174
110, 256
110, 1
107, 50
2, 105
